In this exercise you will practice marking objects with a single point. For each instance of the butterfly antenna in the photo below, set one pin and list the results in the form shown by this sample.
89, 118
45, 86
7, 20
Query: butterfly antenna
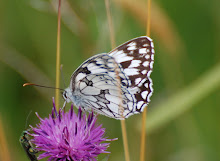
62, 76
37, 85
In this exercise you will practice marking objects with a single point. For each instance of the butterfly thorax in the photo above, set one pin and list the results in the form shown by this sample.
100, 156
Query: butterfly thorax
75, 97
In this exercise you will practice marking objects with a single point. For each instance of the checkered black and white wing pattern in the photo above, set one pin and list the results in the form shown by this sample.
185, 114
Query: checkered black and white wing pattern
136, 58
94, 85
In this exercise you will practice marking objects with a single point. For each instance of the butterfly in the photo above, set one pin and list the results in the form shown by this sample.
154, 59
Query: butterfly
115, 84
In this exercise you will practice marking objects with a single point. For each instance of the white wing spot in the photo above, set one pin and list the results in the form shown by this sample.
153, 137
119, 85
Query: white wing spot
146, 85
134, 63
131, 71
134, 90
144, 94
131, 48
151, 64
131, 52
146, 63
144, 72
132, 44
139, 104
80, 76
145, 45
151, 84
137, 80
143, 51
149, 73
148, 97
153, 51
123, 58
152, 57
142, 81
147, 56
152, 44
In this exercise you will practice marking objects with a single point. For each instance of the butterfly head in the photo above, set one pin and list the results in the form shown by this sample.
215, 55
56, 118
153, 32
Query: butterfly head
67, 94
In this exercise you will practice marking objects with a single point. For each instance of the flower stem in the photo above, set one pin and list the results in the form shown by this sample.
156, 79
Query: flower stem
57, 92
123, 125
144, 115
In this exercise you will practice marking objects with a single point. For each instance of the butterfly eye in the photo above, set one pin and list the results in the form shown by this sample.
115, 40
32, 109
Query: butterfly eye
64, 95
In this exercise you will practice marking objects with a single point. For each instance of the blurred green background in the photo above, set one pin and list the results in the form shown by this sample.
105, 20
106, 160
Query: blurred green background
183, 116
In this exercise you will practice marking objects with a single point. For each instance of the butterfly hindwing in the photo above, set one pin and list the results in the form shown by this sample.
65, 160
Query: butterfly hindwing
136, 58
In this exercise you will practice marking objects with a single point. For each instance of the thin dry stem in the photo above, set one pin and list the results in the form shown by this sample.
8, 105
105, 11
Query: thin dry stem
111, 28
125, 140
70, 18
123, 125
4, 152
57, 93
148, 17
144, 115
143, 135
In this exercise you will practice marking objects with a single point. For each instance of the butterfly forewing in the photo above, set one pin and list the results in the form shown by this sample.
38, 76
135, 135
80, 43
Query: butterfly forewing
94, 84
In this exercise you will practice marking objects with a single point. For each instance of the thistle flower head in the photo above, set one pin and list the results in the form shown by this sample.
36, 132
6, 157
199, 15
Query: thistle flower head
69, 136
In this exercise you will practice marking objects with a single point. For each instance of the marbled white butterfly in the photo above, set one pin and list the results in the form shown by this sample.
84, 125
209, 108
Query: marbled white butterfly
94, 85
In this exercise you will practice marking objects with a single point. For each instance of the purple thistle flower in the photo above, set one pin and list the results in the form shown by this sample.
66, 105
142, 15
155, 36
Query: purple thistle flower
67, 136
